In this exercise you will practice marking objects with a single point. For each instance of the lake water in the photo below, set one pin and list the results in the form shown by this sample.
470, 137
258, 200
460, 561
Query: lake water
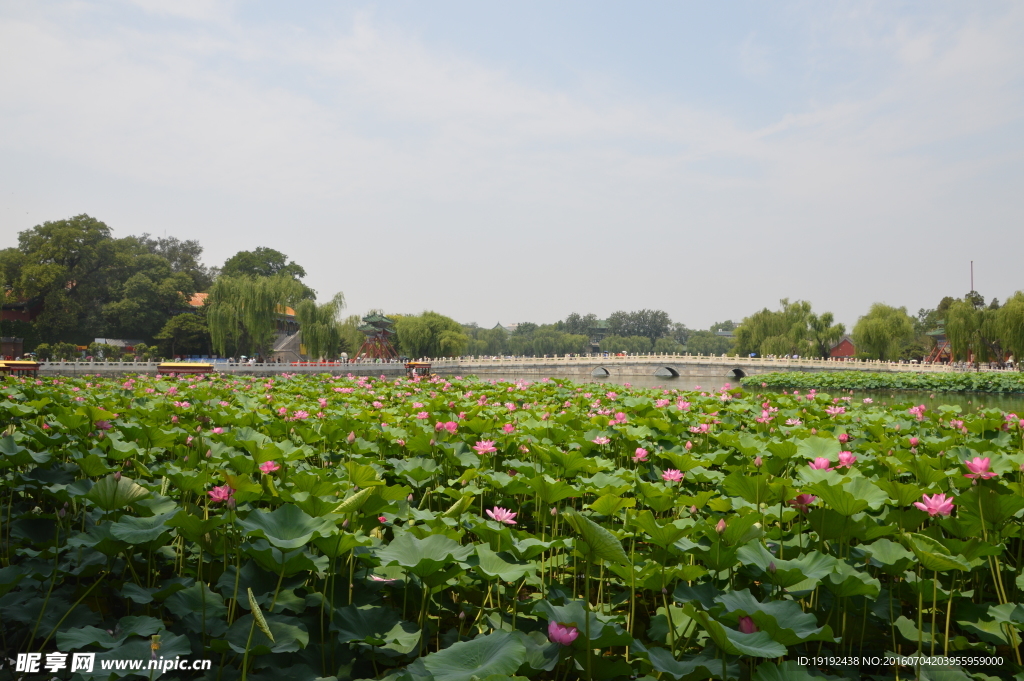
1010, 403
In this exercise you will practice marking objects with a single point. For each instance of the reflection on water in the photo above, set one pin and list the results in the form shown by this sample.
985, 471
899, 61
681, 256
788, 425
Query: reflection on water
968, 401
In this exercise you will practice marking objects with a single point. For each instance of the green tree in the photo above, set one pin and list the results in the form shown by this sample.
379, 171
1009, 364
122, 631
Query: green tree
242, 311
185, 334
883, 332
1011, 326
667, 345
630, 344
430, 335
262, 262
579, 324
791, 330
709, 343
67, 264
142, 303
974, 330
183, 256
824, 333
320, 326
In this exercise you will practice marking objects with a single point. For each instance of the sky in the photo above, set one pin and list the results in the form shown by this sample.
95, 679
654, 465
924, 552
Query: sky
510, 162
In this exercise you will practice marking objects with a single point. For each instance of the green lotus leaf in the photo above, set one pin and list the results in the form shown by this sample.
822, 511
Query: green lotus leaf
171, 646
140, 530
492, 565
550, 491
286, 527
758, 644
610, 504
112, 494
75, 639
813, 447
289, 633
789, 670
933, 555
370, 625
192, 527
812, 565
704, 665
497, 653
662, 535
422, 556
601, 544
784, 621
753, 488
845, 581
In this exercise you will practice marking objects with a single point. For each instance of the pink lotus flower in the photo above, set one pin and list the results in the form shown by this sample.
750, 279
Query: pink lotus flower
221, 494
485, 447
640, 455
218, 431
382, 519
452, 427
378, 405
846, 459
601, 440
508, 428
282, 411
562, 634
914, 442
323, 402
620, 417
844, 438
793, 422
720, 527
423, 415
937, 504
835, 411
747, 626
802, 502
502, 515
268, 467
979, 468
672, 475
689, 445
301, 415
821, 464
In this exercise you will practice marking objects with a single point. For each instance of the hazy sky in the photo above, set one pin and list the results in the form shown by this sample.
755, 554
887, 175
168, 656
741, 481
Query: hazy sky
500, 161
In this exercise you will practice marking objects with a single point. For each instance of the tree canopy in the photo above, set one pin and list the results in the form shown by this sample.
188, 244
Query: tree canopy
242, 311
321, 326
883, 331
262, 262
792, 330
430, 335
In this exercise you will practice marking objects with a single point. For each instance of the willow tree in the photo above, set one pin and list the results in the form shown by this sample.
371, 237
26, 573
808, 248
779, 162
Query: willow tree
242, 311
320, 325
974, 331
791, 330
883, 331
1011, 326
430, 335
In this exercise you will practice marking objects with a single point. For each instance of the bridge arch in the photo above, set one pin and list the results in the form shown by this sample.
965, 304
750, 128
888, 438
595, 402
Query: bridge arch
738, 373
667, 372
600, 372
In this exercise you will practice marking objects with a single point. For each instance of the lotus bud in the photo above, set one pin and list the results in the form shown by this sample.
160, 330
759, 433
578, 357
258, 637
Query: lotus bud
409, 498
771, 567
689, 445
231, 502
897, 426
664, 591
554, 511
462, 615
758, 461
209, 453
720, 527
914, 442
693, 509
117, 475
61, 513
814, 431
351, 437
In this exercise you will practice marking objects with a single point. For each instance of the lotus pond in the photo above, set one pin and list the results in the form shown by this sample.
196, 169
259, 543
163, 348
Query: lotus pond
355, 528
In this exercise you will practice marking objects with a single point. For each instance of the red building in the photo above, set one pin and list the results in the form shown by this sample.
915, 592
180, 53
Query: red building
844, 349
